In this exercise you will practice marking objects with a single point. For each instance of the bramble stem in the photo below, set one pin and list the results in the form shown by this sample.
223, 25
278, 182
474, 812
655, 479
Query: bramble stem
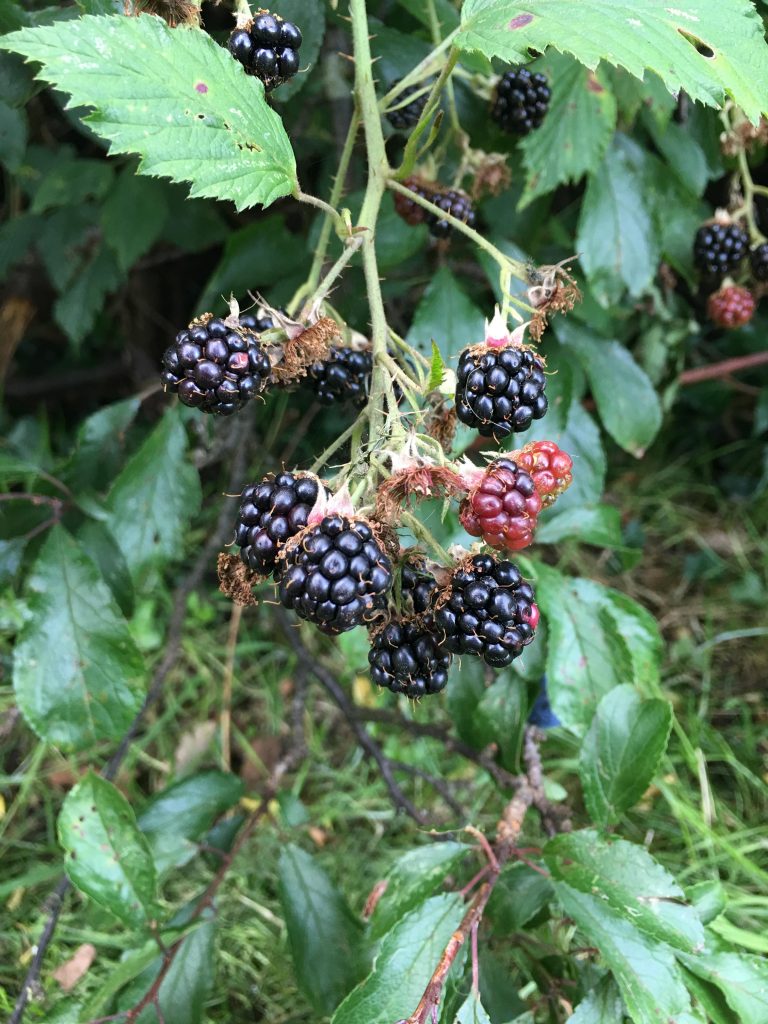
319, 293
411, 146
749, 188
332, 448
310, 200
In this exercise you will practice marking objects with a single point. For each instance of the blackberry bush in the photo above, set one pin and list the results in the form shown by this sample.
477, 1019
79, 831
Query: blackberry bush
267, 47
521, 101
271, 512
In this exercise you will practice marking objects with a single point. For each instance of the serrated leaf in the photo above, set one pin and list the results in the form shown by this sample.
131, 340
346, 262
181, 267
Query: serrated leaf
603, 1005
436, 370
591, 524
502, 713
574, 136
404, 965
519, 895
446, 316
173, 96
742, 979
154, 497
100, 446
414, 876
77, 308
77, 673
626, 878
472, 1012
327, 945
133, 216
183, 813
621, 752
105, 854
635, 34
70, 182
641, 635
650, 981
100, 546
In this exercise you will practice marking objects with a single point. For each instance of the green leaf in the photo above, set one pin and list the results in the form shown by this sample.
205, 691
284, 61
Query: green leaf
184, 812
617, 240
472, 1012
121, 974
602, 1005
404, 965
100, 446
105, 854
16, 237
573, 139
70, 182
596, 524
519, 895
154, 497
625, 397
684, 157
173, 96
708, 899
414, 876
133, 216
81, 302
650, 981
641, 635
626, 878
635, 34
621, 752
436, 370
13, 136
77, 673
326, 939
742, 979
396, 241
502, 714
100, 546
446, 316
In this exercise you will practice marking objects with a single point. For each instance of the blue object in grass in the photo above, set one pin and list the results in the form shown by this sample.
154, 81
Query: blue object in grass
542, 714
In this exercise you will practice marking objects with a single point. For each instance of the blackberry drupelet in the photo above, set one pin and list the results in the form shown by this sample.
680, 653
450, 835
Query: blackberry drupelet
344, 377
521, 101
500, 390
406, 657
719, 248
257, 324
503, 508
267, 48
335, 574
272, 511
758, 261
406, 116
489, 611
214, 367
731, 307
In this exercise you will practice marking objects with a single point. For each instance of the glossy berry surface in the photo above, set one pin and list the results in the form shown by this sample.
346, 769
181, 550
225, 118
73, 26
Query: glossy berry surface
731, 307
451, 201
335, 574
271, 512
521, 101
551, 468
344, 377
758, 262
489, 612
407, 115
719, 248
214, 368
503, 508
257, 324
418, 587
268, 49
500, 390
406, 657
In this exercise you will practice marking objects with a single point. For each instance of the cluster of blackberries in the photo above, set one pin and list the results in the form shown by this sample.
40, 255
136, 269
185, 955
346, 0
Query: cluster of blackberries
719, 248
406, 115
215, 367
267, 48
500, 390
521, 101
451, 201
272, 511
344, 377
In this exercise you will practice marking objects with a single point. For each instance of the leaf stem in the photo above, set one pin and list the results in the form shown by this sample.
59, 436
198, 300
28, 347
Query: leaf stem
310, 200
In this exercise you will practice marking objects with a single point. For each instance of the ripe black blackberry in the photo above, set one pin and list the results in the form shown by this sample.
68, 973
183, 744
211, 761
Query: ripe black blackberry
489, 611
521, 101
406, 657
758, 261
407, 116
418, 587
268, 48
214, 367
257, 324
272, 511
344, 377
500, 390
719, 248
335, 574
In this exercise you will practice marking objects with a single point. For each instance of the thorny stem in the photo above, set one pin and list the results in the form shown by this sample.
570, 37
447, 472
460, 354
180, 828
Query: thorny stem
750, 189
330, 211
321, 291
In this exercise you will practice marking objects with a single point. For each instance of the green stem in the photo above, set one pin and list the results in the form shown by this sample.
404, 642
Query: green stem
422, 69
319, 293
419, 530
411, 147
310, 200
749, 188
332, 448
435, 28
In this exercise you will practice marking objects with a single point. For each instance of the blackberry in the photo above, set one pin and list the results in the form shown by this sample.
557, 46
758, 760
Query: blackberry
731, 307
758, 261
719, 248
489, 611
268, 48
272, 511
521, 101
344, 377
407, 115
500, 389
257, 324
452, 201
418, 587
503, 508
406, 657
335, 574
214, 367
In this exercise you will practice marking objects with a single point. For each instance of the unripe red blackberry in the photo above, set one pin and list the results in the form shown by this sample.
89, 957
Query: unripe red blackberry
406, 115
344, 377
758, 261
406, 657
214, 367
272, 511
267, 47
549, 466
488, 611
732, 306
521, 101
719, 248
335, 574
503, 507
500, 389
